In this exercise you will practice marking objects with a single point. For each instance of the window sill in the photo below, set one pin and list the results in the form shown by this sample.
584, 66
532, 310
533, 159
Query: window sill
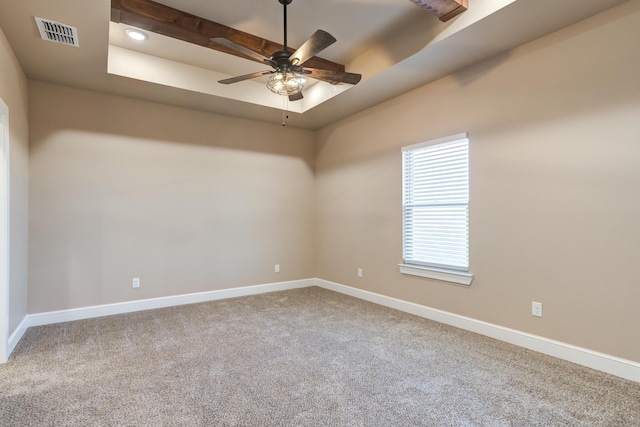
436, 273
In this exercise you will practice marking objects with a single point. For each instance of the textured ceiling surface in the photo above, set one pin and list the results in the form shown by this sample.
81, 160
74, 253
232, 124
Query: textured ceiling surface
395, 45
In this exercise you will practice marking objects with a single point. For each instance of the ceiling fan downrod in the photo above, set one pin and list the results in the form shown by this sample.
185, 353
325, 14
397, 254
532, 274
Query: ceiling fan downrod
285, 3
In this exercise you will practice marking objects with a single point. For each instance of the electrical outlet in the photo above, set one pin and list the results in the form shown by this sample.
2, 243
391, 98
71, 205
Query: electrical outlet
277, 268
536, 309
359, 272
136, 282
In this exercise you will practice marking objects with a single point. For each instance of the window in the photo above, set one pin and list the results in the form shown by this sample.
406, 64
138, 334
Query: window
435, 205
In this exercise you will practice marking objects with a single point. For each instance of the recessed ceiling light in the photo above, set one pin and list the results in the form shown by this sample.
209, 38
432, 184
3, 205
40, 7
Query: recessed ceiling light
136, 34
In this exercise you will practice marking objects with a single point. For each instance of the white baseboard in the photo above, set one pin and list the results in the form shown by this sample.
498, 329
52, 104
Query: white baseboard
51, 317
153, 303
17, 334
602, 362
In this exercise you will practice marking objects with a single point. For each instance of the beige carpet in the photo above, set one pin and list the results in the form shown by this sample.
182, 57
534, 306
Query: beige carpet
306, 357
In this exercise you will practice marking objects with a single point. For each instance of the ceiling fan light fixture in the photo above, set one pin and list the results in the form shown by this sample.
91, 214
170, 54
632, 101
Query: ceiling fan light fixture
285, 83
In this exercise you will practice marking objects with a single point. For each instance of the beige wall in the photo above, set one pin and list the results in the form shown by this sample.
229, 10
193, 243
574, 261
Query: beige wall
191, 201
187, 201
555, 181
13, 91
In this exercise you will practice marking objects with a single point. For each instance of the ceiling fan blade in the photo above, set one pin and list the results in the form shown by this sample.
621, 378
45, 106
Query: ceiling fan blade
239, 48
296, 97
319, 41
333, 77
244, 77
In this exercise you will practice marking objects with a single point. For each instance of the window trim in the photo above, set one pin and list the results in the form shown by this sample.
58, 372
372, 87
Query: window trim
445, 275
433, 272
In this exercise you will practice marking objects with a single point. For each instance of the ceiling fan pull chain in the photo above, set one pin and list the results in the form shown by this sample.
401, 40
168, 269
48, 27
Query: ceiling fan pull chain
285, 116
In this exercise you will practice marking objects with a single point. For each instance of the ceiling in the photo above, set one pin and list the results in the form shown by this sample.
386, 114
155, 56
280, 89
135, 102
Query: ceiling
396, 46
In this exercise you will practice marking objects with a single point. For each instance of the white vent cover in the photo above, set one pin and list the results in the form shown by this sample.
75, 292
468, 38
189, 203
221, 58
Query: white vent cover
56, 32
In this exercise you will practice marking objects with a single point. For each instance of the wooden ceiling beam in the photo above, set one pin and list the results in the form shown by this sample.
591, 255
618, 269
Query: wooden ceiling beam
157, 18
443, 9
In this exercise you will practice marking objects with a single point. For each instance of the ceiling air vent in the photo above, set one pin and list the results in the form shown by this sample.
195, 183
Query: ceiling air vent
56, 32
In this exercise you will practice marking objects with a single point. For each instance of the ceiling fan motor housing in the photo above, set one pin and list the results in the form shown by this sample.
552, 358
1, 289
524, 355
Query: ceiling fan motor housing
281, 60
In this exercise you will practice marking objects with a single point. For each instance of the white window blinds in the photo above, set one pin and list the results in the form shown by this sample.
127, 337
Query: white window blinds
436, 203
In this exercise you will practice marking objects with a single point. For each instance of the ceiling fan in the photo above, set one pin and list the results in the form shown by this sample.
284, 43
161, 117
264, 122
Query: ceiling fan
287, 78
